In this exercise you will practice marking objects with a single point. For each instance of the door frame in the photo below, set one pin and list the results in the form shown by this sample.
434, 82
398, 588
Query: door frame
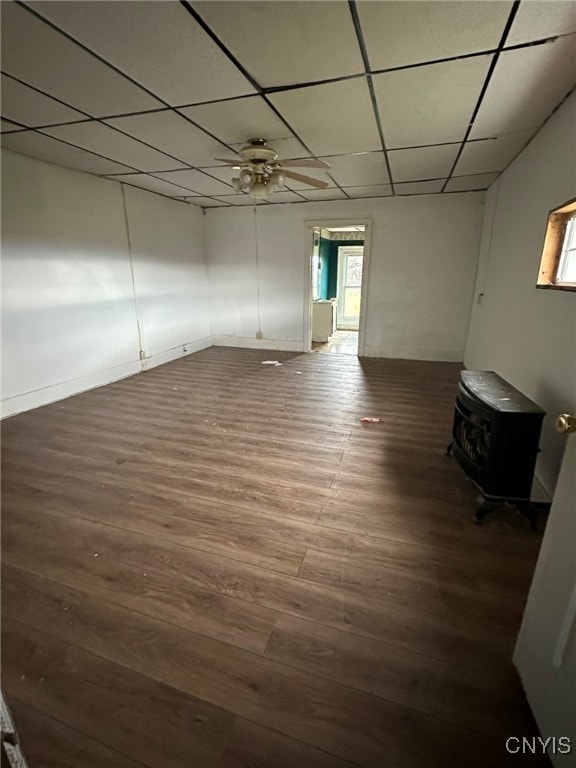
310, 226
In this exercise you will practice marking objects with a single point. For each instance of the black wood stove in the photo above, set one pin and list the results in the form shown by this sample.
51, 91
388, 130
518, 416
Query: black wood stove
495, 436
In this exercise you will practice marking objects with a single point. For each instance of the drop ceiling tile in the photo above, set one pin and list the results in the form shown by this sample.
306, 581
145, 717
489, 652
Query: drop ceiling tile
281, 43
198, 182
152, 184
430, 187
169, 132
27, 106
540, 19
527, 85
358, 170
241, 199
7, 125
114, 145
52, 151
37, 54
238, 120
400, 33
467, 183
286, 196
222, 172
422, 163
206, 202
431, 104
332, 119
332, 193
492, 154
168, 52
374, 190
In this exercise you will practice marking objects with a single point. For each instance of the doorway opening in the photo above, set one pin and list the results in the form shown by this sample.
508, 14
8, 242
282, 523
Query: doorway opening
336, 287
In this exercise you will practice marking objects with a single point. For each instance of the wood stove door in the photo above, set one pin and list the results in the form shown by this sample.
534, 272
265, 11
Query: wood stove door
545, 653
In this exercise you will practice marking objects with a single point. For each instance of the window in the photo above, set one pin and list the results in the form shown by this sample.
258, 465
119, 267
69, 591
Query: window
558, 264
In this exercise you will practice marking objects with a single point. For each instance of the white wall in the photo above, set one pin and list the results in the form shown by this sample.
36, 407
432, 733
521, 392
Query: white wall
420, 282
170, 275
525, 334
69, 319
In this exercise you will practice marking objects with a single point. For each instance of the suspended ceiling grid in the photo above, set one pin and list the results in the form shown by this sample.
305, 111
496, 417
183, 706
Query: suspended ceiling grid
400, 98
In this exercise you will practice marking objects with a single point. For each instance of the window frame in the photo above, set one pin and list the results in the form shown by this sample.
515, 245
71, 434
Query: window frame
554, 239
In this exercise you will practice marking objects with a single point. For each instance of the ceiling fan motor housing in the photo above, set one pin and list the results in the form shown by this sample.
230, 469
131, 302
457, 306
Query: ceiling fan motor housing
259, 152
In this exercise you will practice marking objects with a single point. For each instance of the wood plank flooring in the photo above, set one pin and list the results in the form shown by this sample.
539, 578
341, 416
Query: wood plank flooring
214, 564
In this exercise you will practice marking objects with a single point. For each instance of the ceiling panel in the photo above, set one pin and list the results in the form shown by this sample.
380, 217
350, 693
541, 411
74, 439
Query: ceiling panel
492, 154
198, 182
432, 104
357, 170
332, 119
241, 199
27, 106
206, 202
53, 151
114, 145
287, 42
40, 56
374, 190
286, 196
7, 125
332, 193
422, 163
400, 33
152, 184
164, 42
238, 120
526, 86
540, 19
419, 187
466, 183
171, 133
222, 172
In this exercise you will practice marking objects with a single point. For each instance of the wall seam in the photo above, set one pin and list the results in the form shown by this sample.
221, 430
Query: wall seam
135, 300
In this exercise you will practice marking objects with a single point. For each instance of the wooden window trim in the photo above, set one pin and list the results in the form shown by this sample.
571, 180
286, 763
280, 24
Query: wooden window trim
553, 241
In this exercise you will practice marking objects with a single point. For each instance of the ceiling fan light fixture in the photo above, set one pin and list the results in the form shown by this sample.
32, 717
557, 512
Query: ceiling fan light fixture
277, 180
258, 189
237, 184
246, 177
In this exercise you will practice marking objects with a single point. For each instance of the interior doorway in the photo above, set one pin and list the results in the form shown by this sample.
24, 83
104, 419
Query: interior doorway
348, 291
336, 287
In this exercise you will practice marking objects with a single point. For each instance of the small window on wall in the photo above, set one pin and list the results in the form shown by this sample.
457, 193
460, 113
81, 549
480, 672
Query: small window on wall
558, 264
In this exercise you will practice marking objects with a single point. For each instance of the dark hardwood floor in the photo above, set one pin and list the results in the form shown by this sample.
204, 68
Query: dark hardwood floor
215, 565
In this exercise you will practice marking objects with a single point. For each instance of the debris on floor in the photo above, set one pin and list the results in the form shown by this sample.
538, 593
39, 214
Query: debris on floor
370, 420
270, 362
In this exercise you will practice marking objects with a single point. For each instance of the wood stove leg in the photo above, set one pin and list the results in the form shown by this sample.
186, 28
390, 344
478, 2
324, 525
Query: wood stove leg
528, 510
483, 507
448, 449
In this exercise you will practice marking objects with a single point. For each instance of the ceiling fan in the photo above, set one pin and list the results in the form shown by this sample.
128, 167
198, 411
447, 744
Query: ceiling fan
261, 173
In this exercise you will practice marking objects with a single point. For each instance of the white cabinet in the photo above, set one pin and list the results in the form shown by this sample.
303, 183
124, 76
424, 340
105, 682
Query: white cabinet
323, 320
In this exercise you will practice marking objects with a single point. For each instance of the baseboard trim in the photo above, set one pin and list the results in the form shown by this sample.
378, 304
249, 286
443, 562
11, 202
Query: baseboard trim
279, 345
27, 401
182, 350
415, 353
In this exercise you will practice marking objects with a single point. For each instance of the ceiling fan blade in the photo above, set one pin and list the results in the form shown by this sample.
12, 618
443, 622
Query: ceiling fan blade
306, 179
304, 164
228, 161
